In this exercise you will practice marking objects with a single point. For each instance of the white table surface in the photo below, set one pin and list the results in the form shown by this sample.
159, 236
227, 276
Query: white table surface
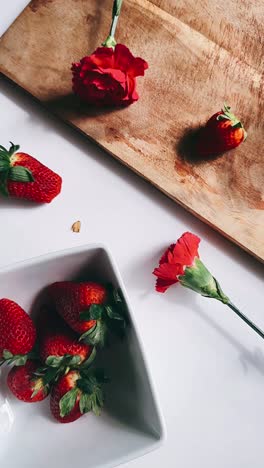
207, 365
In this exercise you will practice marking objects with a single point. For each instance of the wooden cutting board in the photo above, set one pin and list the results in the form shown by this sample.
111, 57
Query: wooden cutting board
201, 53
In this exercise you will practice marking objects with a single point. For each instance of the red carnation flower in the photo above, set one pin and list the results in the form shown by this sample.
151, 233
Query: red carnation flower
174, 261
108, 76
181, 263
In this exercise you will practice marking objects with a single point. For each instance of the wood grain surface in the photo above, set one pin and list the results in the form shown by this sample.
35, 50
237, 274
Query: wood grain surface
201, 54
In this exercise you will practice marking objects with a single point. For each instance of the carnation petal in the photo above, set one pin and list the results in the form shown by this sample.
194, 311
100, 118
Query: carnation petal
137, 67
123, 57
168, 271
186, 249
165, 257
162, 285
103, 57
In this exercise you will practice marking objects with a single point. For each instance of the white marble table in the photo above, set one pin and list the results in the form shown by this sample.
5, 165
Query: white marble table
207, 365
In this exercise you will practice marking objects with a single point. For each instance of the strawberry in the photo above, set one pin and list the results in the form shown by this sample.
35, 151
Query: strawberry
222, 132
86, 307
25, 385
17, 333
22, 176
77, 393
60, 347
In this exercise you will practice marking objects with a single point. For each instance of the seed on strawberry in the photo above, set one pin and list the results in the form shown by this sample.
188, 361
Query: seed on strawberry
77, 393
25, 385
17, 333
22, 176
88, 308
222, 132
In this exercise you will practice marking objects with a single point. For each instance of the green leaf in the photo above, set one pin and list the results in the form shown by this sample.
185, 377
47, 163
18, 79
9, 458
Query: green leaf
13, 148
113, 314
67, 402
117, 296
85, 403
90, 359
3, 183
96, 409
73, 361
237, 125
4, 165
50, 375
95, 312
7, 354
87, 333
3, 149
19, 360
96, 335
85, 315
86, 385
99, 397
54, 361
20, 174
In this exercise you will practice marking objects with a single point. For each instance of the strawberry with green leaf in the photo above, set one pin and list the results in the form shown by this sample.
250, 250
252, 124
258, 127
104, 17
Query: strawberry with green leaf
25, 384
22, 176
89, 308
76, 393
17, 334
223, 132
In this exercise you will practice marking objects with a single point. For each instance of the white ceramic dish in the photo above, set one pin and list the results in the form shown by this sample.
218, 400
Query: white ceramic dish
131, 422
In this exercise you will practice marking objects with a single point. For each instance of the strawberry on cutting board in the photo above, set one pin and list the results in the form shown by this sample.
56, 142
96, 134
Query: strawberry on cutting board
77, 393
89, 308
222, 132
17, 333
25, 385
22, 176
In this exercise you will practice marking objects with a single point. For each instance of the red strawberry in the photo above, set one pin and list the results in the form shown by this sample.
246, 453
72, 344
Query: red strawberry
60, 346
84, 308
222, 132
23, 176
25, 385
17, 333
76, 393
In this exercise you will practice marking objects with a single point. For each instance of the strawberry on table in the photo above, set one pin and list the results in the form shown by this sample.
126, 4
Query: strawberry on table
17, 333
89, 308
25, 385
77, 393
22, 176
221, 133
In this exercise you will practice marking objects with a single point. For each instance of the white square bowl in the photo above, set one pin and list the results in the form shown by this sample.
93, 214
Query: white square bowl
131, 422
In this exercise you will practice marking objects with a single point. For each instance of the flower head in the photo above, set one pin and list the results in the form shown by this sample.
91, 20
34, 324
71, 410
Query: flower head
181, 263
175, 259
108, 76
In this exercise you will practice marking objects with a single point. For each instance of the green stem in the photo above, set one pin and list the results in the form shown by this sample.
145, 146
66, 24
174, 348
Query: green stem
110, 40
113, 26
248, 322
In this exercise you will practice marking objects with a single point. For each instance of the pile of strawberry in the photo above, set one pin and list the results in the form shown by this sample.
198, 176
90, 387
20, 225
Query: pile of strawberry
55, 355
